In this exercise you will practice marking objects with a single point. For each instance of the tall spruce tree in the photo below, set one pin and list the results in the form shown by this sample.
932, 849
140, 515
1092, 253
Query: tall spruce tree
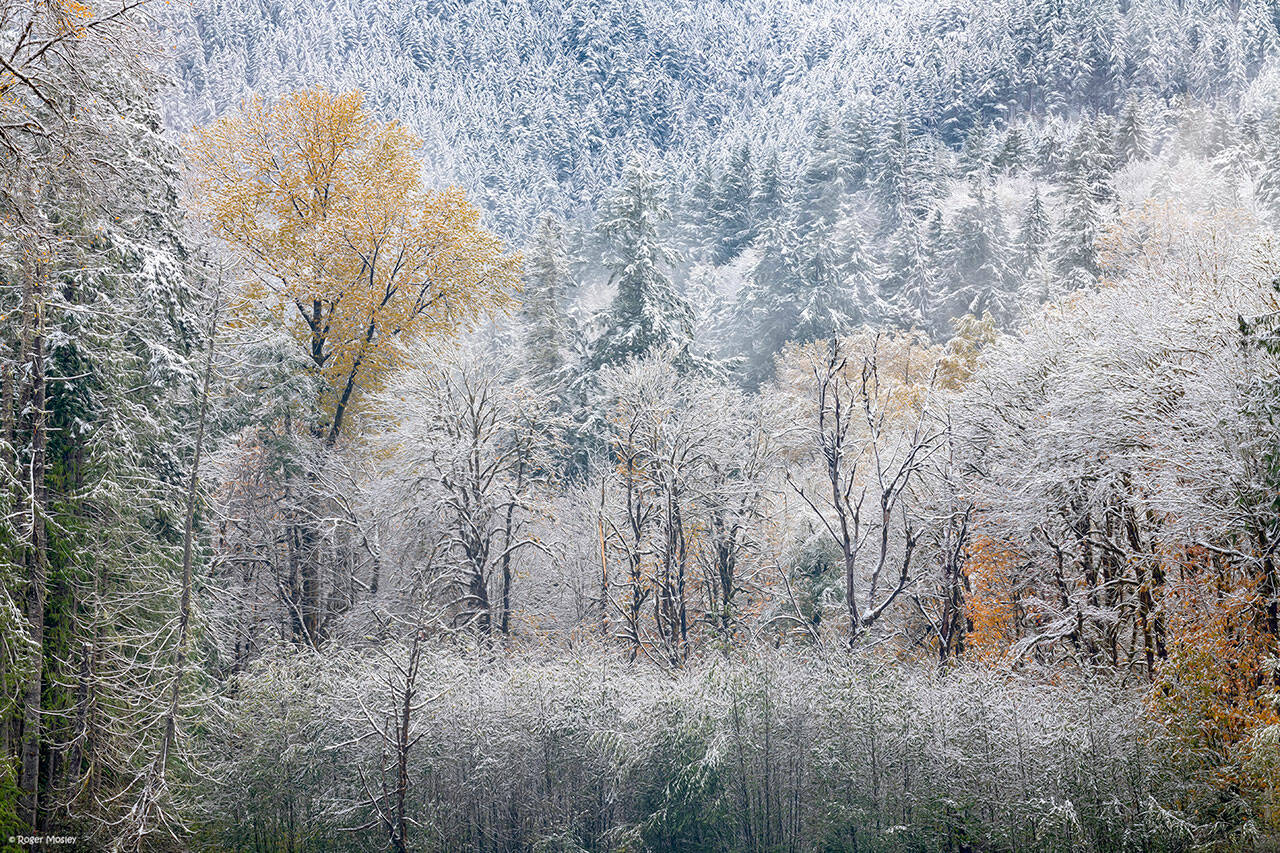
808, 284
1086, 197
976, 260
1012, 155
906, 283
546, 324
767, 194
1133, 140
647, 313
821, 186
729, 212
1266, 187
1034, 233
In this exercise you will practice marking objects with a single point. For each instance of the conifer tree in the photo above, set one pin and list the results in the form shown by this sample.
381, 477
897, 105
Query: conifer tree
767, 194
100, 317
1132, 138
856, 135
906, 283
1085, 196
1048, 149
1096, 157
808, 284
546, 325
821, 186
1012, 155
1266, 187
1034, 234
729, 212
924, 291
976, 258
647, 313
976, 158
907, 171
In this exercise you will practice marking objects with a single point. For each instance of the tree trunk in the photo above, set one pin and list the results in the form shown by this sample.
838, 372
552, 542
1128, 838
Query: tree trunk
400, 827
34, 548
188, 541
508, 534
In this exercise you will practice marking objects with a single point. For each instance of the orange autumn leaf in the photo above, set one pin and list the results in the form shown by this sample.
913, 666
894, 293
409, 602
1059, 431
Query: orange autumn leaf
1215, 691
990, 605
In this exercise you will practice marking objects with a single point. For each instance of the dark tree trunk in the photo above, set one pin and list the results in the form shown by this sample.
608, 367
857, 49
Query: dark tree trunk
34, 551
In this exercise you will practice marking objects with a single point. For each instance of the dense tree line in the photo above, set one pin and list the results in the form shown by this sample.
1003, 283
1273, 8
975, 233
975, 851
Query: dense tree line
533, 106
873, 447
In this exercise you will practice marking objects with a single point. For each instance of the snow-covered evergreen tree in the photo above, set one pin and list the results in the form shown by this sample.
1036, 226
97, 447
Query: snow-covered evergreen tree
1133, 140
546, 323
767, 194
1013, 153
1034, 233
906, 288
821, 185
807, 285
1266, 187
102, 325
729, 211
976, 260
646, 313
1085, 196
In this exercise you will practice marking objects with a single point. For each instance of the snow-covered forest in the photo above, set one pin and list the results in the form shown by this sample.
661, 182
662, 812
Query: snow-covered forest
640, 425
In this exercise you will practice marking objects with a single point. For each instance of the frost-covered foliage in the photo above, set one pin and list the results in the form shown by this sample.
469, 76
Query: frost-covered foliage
901, 166
768, 752
882, 456
535, 105
727, 635
101, 318
1116, 430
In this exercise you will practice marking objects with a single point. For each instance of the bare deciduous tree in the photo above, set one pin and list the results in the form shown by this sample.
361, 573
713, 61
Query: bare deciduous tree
869, 426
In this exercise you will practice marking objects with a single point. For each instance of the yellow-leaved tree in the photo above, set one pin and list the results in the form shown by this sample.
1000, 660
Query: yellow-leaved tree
342, 245
341, 241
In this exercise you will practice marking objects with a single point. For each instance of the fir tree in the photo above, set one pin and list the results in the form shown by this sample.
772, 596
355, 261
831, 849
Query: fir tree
646, 313
1132, 139
767, 194
1034, 234
1101, 161
1231, 160
923, 291
906, 285
856, 134
547, 273
807, 285
821, 184
975, 158
1013, 152
1048, 150
1266, 187
729, 212
976, 259
1084, 196
891, 180
100, 320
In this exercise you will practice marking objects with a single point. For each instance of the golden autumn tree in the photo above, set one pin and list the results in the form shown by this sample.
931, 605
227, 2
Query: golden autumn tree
341, 245
341, 241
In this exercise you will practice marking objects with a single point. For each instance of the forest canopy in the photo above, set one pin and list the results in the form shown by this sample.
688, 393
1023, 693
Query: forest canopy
848, 425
